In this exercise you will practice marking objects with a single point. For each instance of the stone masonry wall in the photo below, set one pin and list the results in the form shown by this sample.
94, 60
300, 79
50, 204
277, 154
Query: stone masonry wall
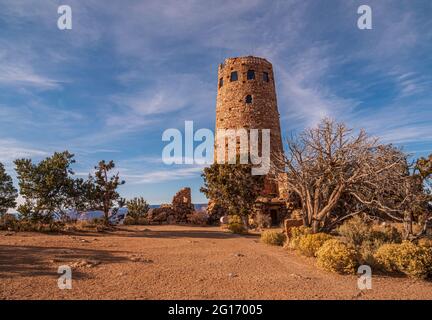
177, 211
232, 111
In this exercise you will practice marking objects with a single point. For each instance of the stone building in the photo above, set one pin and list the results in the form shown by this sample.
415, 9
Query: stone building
246, 99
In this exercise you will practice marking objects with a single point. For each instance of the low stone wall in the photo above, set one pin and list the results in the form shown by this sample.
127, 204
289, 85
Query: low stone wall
290, 223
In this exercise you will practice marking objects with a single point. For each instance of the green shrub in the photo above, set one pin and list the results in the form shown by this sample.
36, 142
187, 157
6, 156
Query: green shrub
296, 233
355, 231
385, 257
129, 220
8, 222
413, 260
236, 225
262, 220
97, 224
366, 238
137, 208
273, 238
425, 242
386, 234
367, 251
310, 243
391, 234
12, 223
337, 256
37, 226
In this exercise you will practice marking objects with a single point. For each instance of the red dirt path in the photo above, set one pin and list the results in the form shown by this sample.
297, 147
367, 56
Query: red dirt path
176, 262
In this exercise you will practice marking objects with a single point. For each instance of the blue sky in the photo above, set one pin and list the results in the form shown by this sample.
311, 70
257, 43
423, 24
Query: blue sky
128, 70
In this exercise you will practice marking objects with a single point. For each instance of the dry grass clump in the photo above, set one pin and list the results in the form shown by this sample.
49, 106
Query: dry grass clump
274, 238
98, 225
236, 225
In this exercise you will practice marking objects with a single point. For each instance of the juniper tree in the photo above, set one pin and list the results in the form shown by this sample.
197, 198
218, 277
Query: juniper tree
137, 208
106, 186
45, 186
232, 186
8, 193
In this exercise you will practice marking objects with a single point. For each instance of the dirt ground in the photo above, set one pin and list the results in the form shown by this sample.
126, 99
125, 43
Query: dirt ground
175, 262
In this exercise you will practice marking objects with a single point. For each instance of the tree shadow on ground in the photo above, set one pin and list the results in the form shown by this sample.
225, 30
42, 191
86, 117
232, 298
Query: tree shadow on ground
170, 234
397, 275
20, 261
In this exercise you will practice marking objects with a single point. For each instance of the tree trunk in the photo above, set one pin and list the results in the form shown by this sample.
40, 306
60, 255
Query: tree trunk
315, 226
408, 228
245, 220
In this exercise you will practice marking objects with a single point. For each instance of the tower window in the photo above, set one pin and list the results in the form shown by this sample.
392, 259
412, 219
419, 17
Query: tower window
220, 82
251, 74
265, 77
234, 76
248, 99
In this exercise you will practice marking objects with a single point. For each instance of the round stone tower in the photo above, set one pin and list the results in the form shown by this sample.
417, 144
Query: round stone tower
247, 99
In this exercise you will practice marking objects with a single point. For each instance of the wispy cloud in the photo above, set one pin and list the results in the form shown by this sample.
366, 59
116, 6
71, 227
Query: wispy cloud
165, 97
24, 75
129, 70
160, 176
305, 97
396, 123
134, 177
11, 149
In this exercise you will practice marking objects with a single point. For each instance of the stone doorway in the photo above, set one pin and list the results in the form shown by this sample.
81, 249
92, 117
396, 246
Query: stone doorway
274, 217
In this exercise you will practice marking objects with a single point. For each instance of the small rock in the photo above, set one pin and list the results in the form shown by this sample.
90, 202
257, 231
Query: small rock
297, 276
93, 262
239, 254
232, 275
85, 263
78, 264
358, 295
9, 234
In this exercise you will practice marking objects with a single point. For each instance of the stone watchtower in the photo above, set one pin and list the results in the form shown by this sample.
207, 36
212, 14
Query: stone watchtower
247, 99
